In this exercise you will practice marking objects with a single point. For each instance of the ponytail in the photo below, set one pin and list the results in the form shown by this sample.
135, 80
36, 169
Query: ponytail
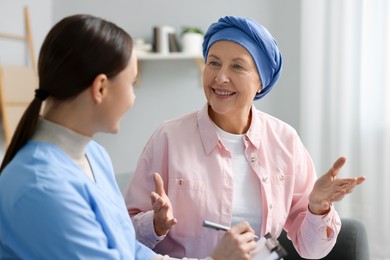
25, 128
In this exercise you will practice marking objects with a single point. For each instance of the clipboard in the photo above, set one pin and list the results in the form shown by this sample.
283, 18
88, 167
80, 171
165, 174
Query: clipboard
268, 248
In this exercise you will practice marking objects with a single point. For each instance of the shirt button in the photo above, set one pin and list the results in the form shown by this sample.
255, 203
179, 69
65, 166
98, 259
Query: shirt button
246, 138
264, 179
253, 159
270, 206
281, 177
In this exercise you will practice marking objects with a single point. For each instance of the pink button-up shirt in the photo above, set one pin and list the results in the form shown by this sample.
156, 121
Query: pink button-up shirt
198, 179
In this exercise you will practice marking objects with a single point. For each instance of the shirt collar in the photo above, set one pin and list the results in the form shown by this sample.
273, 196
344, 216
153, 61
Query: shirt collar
72, 143
209, 135
255, 129
207, 131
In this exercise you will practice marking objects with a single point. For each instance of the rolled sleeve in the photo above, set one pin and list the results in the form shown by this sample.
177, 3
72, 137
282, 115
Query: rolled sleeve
321, 223
144, 226
314, 241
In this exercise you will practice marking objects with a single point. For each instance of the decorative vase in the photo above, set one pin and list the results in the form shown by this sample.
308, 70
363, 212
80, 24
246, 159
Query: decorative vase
192, 43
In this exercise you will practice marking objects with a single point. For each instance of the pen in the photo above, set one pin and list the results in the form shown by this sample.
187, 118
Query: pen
217, 226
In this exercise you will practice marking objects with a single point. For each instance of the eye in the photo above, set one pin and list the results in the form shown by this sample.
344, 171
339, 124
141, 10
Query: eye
213, 63
237, 66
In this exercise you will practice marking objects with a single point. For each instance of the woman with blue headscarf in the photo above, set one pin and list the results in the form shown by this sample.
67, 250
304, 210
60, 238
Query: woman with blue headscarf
229, 162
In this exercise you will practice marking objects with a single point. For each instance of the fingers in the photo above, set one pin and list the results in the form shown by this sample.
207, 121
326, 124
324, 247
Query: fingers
172, 222
157, 201
162, 226
163, 217
340, 190
159, 184
236, 243
337, 166
244, 228
166, 223
240, 227
246, 235
328, 188
346, 186
339, 162
360, 180
159, 204
249, 244
163, 222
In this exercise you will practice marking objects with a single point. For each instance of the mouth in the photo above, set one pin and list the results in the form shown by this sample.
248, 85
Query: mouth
223, 92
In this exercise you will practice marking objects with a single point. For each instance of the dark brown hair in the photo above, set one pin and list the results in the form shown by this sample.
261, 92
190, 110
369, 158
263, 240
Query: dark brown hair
75, 51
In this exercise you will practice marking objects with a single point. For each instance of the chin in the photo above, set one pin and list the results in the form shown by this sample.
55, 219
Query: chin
218, 108
113, 130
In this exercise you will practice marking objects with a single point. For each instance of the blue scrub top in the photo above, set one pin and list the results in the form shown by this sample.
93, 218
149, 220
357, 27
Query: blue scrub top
50, 209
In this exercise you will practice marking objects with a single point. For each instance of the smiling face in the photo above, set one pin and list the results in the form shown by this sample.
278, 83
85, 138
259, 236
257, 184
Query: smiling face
230, 82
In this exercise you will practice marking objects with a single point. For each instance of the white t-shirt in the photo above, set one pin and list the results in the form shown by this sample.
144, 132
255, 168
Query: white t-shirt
246, 189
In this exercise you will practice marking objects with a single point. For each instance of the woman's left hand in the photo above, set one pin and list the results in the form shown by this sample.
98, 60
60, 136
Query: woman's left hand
163, 214
328, 188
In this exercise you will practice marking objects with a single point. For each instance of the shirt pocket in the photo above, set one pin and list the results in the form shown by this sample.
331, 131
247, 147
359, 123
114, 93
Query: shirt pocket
280, 178
282, 190
188, 198
282, 184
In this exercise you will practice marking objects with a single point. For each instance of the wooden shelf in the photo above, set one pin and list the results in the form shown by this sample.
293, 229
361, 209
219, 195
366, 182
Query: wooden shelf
170, 56
147, 56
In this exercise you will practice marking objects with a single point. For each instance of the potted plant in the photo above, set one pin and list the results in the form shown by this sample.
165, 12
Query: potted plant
192, 39
189, 29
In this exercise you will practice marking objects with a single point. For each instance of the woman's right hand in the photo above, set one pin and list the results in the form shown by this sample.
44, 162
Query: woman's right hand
236, 243
163, 218
329, 188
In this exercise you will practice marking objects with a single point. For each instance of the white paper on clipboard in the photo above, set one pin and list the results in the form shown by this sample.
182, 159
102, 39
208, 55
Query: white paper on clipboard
268, 248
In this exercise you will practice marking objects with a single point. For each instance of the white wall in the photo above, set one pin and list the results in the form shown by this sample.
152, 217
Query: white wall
14, 52
171, 88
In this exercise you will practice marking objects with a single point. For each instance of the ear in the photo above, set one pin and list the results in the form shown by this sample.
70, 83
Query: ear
99, 88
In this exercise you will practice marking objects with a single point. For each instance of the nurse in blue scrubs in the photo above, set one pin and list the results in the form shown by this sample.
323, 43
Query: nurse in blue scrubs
58, 195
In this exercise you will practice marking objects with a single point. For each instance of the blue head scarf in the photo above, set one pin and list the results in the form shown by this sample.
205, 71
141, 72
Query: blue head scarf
255, 39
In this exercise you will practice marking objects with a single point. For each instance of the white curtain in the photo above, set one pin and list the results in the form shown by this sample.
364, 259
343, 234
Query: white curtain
345, 99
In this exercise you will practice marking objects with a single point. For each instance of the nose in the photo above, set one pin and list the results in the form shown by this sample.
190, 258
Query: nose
222, 76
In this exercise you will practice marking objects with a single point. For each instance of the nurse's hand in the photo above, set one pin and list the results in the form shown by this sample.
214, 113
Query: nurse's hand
163, 215
236, 243
328, 188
